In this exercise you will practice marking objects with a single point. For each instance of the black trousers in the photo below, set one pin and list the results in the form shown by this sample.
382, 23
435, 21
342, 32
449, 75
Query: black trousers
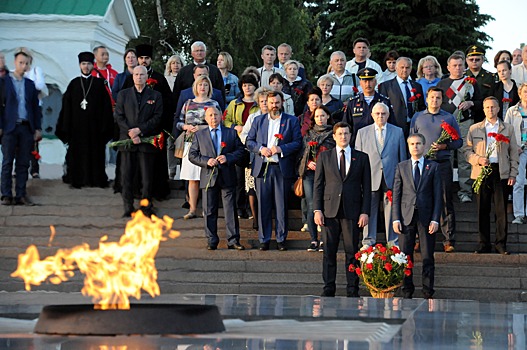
493, 188
349, 231
131, 162
448, 216
427, 242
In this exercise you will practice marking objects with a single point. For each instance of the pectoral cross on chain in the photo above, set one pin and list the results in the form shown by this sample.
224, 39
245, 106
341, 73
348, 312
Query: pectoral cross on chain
84, 103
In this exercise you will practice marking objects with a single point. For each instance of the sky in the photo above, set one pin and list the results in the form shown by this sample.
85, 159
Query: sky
506, 30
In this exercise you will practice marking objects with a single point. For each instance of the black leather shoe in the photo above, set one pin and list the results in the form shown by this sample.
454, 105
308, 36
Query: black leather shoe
482, 250
264, 246
24, 201
353, 295
242, 214
428, 296
212, 247
281, 246
501, 250
327, 293
236, 246
408, 296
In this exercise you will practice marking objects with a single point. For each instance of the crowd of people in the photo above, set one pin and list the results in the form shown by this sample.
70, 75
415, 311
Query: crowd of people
360, 142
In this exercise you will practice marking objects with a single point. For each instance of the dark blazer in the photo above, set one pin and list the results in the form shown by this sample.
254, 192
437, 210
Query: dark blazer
9, 117
427, 198
202, 150
185, 79
353, 192
290, 145
147, 117
392, 90
497, 91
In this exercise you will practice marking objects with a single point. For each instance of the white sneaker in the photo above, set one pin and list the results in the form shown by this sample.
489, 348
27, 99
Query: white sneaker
519, 220
304, 228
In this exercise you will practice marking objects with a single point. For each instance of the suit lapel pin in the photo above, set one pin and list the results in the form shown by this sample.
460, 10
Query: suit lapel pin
151, 102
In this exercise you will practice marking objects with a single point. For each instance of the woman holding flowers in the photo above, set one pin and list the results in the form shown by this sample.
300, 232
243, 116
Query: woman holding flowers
492, 151
192, 119
317, 139
517, 117
505, 90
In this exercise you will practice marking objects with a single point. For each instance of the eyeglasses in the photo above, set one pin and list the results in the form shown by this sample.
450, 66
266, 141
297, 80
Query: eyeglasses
474, 59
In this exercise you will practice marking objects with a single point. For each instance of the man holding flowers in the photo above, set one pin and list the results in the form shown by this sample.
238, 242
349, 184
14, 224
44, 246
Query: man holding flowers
442, 133
492, 151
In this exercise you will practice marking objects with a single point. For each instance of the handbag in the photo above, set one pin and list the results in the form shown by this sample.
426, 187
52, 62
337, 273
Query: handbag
179, 146
298, 187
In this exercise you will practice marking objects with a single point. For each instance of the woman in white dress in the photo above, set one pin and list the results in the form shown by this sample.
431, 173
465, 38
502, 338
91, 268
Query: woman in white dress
192, 119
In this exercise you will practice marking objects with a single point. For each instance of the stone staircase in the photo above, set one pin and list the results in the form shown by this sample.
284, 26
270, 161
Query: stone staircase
185, 266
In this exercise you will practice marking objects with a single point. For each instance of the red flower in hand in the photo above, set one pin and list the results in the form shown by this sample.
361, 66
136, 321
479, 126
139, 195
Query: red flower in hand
450, 130
471, 80
506, 100
358, 271
312, 143
502, 138
389, 194
150, 82
414, 90
36, 155
418, 95
279, 136
412, 98
223, 144
407, 272
369, 266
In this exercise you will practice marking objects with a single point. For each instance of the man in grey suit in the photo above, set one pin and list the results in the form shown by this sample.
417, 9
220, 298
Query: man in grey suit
416, 208
138, 112
384, 144
341, 203
216, 150
406, 96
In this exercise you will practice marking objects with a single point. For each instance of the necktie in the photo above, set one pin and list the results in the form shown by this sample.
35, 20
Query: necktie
381, 140
417, 174
215, 140
408, 103
342, 164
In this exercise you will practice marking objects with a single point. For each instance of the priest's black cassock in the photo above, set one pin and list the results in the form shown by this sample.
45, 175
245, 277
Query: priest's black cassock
86, 128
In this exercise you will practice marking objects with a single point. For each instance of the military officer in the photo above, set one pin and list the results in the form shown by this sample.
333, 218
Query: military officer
475, 56
358, 109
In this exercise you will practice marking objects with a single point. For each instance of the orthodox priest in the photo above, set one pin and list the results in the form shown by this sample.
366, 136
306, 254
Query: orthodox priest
157, 82
85, 125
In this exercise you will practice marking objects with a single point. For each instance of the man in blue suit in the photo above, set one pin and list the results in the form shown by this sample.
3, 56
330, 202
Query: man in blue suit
275, 139
384, 144
20, 125
416, 208
216, 150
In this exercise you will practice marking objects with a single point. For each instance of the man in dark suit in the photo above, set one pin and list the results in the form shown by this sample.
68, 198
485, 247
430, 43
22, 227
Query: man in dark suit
342, 203
275, 139
416, 208
216, 150
406, 96
138, 113
20, 127
185, 78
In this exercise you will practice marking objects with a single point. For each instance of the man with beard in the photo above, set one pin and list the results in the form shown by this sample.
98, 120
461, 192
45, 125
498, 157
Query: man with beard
85, 124
275, 140
156, 81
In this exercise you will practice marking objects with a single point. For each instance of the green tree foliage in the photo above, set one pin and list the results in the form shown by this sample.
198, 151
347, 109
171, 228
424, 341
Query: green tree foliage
244, 27
415, 28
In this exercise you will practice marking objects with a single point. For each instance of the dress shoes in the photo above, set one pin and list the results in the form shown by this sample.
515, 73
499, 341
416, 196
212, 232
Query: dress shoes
353, 295
449, 248
482, 250
7, 200
212, 247
428, 296
501, 250
264, 246
24, 201
327, 293
236, 246
281, 246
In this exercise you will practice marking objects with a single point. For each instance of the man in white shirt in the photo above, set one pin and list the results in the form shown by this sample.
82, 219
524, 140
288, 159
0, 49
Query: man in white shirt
361, 49
268, 68
519, 72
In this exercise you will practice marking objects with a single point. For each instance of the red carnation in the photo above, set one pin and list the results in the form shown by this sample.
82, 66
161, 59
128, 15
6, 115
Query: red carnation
389, 194
418, 95
502, 138
223, 144
506, 100
471, 80
369, 266
358, 271
412, 98
312, 143
395, 249
410, 264
407, 272
388, 267
36, 155
358, 255
383, 257
414, 90
279, 136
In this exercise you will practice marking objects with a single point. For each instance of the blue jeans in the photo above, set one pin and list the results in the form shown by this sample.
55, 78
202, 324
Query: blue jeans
16, 144
308, 182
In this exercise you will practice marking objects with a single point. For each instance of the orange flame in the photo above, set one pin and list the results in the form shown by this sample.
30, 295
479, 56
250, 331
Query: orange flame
113, 272
52, 235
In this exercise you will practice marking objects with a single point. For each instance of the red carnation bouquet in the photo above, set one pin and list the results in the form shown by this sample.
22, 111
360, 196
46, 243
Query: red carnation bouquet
222, 146
448, 133
151, 82
277, 137
382, 268
414, 99
469, 85
486, 170
158, 141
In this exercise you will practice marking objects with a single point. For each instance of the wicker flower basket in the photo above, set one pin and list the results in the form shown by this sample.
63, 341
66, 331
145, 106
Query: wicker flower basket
382, 293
